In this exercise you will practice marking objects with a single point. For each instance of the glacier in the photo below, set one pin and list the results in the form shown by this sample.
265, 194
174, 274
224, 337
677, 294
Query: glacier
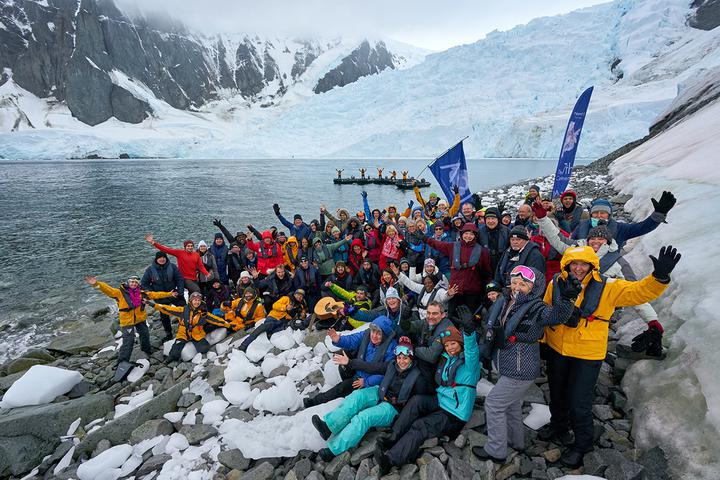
511, 92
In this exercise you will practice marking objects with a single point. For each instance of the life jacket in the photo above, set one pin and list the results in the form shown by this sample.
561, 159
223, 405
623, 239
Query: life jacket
292, 257
591, 298
187, 322
407, 384
503, 238
502, 268
609, 259
380, 350
156, 276
428, 336
527, 308
250, 313
128, 300
452, 371
235, 261
275, 251
474, 256
423, 305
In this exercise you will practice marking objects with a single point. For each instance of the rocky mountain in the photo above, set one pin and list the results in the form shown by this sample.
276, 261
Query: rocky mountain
80, 52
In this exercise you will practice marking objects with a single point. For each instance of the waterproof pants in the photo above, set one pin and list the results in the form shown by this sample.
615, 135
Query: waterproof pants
358, 413
269, 326
572, 391
201, 346
191, 286
503, 415
128, 340
435, 424
342, 389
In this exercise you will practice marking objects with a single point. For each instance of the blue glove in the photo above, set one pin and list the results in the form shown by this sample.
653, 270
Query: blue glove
364, 194
410, 204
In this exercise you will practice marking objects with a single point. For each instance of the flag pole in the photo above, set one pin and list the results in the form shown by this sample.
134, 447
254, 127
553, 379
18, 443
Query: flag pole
455, 145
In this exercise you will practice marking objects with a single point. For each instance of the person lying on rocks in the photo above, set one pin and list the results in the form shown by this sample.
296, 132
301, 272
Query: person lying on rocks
131, 315
612, 265
375, 406
244, 311
601, 209
371, 349
289, 311
577, 348
445, 412
515, 323
192, 319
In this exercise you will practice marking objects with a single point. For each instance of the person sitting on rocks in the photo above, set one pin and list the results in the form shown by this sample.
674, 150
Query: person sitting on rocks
244, 311
369, 277
612, 265
371, 350
188, 260
514, 326
360, 299
289, 311
245, 280
520, 252
217, 294
577, 348
164, 276
275, 286
375, 406
601, 209
192, 320
306, 277
394, 308
132, 315
445, 412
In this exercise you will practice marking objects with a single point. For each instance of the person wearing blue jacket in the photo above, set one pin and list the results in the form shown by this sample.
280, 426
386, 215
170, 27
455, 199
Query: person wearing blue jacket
220, 250
375, 406
446, 412
164, 276
601, 209
298, 228
372, 349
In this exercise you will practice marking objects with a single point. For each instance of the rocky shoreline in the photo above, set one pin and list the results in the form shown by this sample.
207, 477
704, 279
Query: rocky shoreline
172, 424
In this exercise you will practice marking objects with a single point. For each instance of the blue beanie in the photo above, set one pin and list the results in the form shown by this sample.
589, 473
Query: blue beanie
601, 205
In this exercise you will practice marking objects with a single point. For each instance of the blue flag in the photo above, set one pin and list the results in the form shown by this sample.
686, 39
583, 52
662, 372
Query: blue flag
450, 169
570, 143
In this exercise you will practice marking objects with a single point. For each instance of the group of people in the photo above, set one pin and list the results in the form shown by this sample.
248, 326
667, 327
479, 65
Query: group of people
444, 289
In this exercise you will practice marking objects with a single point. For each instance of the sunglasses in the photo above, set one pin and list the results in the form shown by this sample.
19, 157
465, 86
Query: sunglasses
523, 272
446, 333
403, 350
439, 228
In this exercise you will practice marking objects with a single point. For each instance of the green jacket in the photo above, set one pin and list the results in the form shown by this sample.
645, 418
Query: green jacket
323, 257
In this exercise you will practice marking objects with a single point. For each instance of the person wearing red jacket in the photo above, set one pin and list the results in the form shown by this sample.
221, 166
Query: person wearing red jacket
269, 253
188, 260
371, 239
356, 255
470, 267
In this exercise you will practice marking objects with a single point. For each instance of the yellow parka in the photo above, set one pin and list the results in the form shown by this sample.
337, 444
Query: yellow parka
195, 321
290, 249
129, 316
280, 308
589, 339
242, 320
452, 210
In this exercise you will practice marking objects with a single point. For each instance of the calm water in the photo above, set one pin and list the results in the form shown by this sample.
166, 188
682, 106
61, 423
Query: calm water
62, 220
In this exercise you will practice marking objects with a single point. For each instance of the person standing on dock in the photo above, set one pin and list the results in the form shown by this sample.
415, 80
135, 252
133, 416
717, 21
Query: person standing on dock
362, 173
380, 170
405, 175
393, 175
339, 173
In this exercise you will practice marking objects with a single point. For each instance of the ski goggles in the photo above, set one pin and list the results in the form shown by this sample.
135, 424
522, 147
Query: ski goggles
523, 272
403, 350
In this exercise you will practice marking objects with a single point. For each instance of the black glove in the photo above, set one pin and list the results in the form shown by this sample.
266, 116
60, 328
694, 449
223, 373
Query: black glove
574, 319
226, 304
217, 223
649, 341
667, 201
276, 208
465, 319
569, 288
665, 262
456, 189
477, 201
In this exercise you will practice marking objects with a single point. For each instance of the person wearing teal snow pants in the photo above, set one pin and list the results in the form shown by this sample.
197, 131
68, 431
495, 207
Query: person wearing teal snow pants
370, 407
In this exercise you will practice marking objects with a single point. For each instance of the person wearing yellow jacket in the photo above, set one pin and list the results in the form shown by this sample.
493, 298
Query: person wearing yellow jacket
245, 311
192, 320
575, 351
430, 206
290, 253
132, 314
290, 310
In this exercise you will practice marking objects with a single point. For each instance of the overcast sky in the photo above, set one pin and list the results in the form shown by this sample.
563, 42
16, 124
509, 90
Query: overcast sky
431, 24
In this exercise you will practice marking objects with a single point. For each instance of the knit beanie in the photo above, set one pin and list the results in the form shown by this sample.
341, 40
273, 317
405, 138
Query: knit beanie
297, 216
202, 243
405, 342
452, 334
335, 230
493, 287
492, 212
392, 293
601, 205
601, 231
218, 235
160, 254
429, 261
249, 290
535, 187
520, 232
188, 242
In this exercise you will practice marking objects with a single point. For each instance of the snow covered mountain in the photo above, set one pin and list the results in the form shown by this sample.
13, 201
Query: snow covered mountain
78, 52
510, 92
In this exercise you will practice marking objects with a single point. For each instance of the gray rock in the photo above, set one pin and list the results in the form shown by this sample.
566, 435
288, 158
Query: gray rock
101, 447
23, 364
433, 471
281, 370
603, 412
435, 451
151, 464
87, 339
332, 469
314, 475
474, 438
263, 471
27, 434
40, 353
118, 430
347, 473
238, 413
150, 429
234, 459
655, 463
408, 471
313, 338
302, 468
460, 469
187, 399
216, 376
7, 381
59, 452
197, 433
534, 395
477, 419
364, 60
365, 449
429, 443
81, 388
539, 474
508, 470
624, 471
553, 472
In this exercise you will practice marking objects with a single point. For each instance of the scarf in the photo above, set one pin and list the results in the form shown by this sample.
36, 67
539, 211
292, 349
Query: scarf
135, 296
391, 248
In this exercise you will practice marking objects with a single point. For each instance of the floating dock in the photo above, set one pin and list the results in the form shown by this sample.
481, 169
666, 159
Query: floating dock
406, 184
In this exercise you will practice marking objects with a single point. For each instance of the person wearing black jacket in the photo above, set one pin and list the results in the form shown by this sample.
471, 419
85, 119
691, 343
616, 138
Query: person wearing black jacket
520, 252
307, 277
368, 275
235, 261
164, 276
276, 285
494, 236
240, 237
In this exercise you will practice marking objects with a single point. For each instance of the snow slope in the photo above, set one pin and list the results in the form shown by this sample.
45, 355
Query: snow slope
677, 401
510, 92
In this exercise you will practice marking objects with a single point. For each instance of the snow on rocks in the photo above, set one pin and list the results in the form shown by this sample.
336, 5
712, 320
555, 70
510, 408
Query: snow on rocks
133, 401
212, 411
137, 372
240, 368
283, 340
539, 416
240, 394
106, 465
280, 398
40, 384
188, 352
259, 348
